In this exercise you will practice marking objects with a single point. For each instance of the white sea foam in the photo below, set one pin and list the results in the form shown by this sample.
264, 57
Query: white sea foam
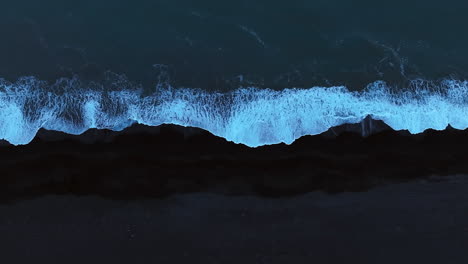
248, 115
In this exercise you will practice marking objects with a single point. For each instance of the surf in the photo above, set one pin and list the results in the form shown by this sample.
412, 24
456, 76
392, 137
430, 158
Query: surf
247, 115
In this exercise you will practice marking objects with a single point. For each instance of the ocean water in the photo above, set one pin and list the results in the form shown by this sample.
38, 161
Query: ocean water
254, 72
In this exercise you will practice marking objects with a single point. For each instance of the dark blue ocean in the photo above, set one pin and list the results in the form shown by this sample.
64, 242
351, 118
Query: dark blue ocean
254, 72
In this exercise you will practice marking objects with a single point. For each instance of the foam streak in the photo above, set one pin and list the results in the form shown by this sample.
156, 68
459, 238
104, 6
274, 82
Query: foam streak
248, 115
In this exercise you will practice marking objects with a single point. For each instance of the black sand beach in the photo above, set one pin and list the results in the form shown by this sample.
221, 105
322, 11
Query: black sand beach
423, 221
146, 161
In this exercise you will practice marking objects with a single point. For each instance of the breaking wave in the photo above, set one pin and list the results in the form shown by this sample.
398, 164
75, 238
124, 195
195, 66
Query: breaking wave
250, 116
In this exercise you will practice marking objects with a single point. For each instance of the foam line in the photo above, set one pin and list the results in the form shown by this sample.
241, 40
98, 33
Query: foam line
250, 116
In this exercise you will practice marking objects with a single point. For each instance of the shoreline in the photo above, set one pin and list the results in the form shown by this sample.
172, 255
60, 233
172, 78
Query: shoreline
143, 161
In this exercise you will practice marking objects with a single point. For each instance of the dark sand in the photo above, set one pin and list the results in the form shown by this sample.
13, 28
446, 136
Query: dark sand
159, 161
181, 195
423, 221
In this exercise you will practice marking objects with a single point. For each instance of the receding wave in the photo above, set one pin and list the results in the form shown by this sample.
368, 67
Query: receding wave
250, 116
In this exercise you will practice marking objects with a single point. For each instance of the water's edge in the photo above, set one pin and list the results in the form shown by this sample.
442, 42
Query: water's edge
159, 161
250, 116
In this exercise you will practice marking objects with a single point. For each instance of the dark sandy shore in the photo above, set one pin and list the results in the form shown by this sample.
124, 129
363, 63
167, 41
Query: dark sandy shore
424, 221
159, 161
355, 194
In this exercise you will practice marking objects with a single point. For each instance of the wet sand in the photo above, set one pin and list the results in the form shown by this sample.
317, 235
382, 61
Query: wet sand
423, 221
358, 193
